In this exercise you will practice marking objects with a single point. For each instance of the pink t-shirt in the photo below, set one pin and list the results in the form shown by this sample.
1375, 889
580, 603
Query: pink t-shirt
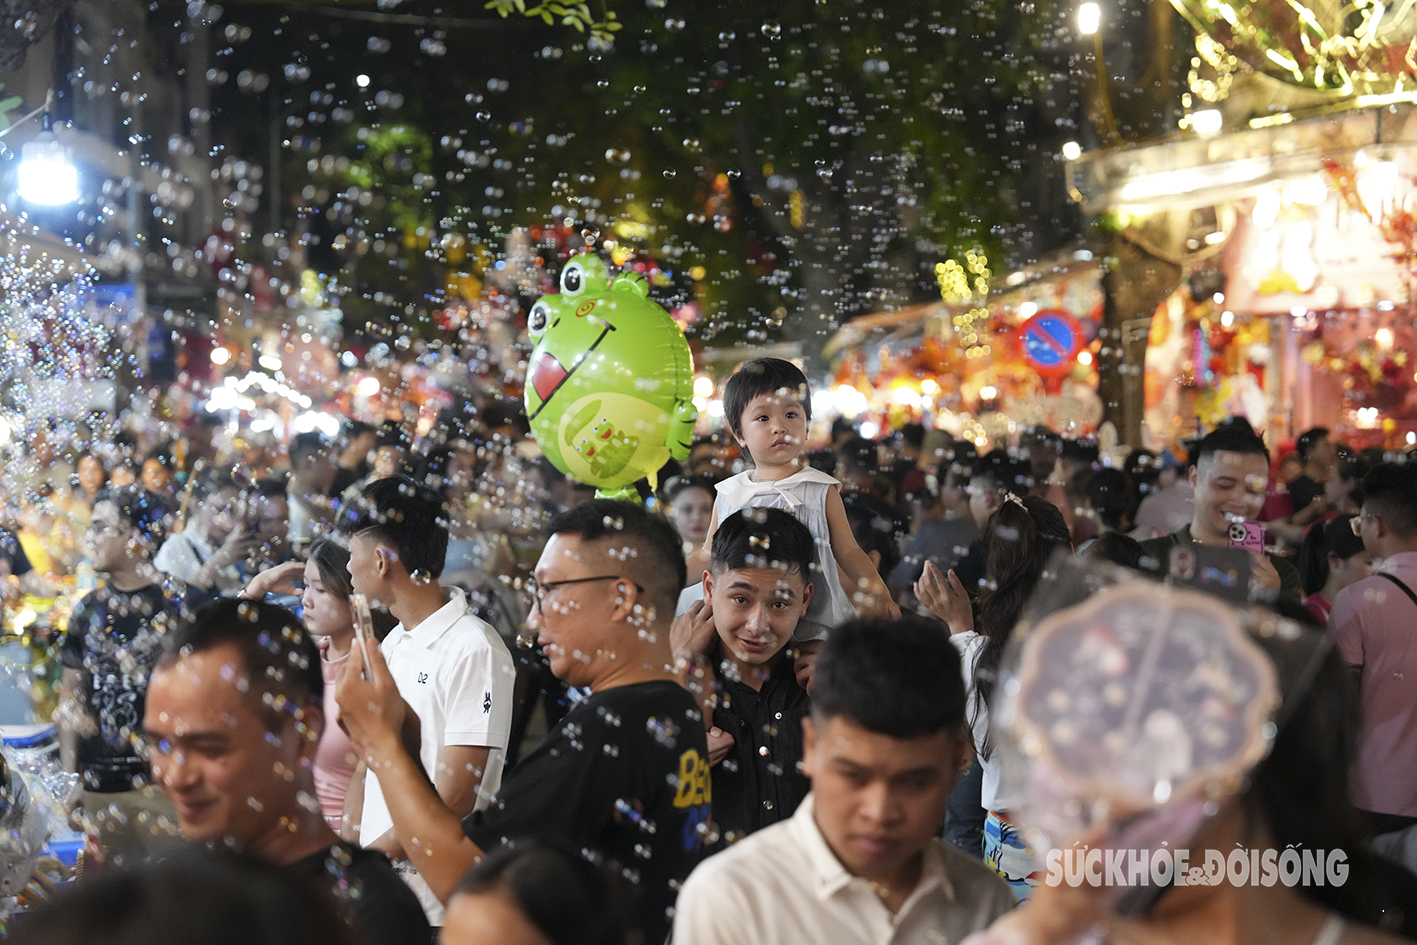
335, 759
1372, 624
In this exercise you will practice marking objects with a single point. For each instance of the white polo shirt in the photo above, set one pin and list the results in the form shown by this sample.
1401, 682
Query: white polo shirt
455, 672
784, 886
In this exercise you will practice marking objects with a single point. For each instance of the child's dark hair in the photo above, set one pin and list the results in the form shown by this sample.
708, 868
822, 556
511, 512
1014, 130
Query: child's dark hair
567, 898
1321, 538
759, 538
899, 678
411, 517
763, 376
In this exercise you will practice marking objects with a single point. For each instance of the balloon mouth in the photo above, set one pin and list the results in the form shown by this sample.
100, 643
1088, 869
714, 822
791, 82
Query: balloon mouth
546, 375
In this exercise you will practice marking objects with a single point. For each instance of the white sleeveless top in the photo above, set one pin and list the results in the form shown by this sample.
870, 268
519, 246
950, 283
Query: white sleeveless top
804, 495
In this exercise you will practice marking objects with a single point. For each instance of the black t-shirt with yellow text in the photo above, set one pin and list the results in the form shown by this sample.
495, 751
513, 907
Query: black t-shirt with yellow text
624, 775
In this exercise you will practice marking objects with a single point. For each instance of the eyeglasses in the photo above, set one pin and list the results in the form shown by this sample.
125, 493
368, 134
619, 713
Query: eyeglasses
539, 589
102, 528
1356, 523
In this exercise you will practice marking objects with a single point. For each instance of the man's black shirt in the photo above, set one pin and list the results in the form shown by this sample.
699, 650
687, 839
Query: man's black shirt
758, 782
1302, 491
113, 640
368, 893
625, 775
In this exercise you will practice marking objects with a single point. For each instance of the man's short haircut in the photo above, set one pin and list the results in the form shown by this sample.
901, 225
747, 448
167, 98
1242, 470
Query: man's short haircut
307, 445
763, 538
1003, 470
138, 508
281, 660
1231, 438
763, 376
271, 487
1308, 440
893, 677
410, 517
658, 547
1390, 490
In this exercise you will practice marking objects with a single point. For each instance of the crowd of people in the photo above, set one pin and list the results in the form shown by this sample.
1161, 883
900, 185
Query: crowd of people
755, 707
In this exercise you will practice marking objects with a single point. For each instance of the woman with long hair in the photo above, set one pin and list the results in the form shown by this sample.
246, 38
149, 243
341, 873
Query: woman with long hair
1331, 558
325, 607
1020, 537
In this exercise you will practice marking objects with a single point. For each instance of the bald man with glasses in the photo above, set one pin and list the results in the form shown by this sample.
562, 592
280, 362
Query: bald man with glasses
625, 774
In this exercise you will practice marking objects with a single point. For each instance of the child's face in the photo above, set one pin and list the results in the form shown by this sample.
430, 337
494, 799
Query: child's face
774, 429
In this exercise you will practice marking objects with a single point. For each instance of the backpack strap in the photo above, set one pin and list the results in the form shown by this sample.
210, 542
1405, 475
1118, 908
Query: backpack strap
1405, 589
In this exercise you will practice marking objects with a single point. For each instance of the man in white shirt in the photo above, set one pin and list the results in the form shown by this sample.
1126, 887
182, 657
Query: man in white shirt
451, 667
860, 861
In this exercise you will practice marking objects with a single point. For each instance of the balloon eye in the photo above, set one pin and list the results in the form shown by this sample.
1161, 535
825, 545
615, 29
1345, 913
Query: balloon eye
572, 279
536, 321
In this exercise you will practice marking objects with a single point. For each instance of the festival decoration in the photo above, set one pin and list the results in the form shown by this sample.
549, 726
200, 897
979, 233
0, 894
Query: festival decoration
609, 389
956, 288
1325, 45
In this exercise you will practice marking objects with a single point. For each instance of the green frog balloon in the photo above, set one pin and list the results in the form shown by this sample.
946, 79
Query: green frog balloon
609, 389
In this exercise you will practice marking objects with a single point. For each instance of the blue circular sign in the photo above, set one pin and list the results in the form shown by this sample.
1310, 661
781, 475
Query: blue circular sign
1051, 342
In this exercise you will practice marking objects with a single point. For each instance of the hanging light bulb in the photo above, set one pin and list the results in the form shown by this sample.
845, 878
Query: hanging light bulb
47, 175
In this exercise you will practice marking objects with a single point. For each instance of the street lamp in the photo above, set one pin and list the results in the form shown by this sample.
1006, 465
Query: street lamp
1090, 24
1089, 19
47, 175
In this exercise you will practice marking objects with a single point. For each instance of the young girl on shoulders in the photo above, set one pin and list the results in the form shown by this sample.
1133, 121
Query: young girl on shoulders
768, 407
